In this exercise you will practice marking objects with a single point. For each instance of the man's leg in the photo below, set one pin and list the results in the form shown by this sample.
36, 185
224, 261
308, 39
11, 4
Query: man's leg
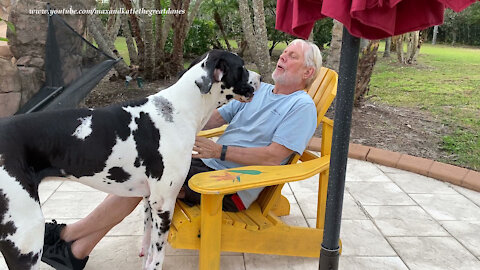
82, 236
87, 232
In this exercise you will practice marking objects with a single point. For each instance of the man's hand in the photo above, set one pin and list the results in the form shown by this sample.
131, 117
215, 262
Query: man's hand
206, 148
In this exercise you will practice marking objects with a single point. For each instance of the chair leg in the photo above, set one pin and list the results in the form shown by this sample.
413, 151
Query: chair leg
211, 230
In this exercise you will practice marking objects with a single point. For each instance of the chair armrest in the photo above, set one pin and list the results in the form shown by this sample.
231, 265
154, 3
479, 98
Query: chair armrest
214, 132
327, 121
233, 180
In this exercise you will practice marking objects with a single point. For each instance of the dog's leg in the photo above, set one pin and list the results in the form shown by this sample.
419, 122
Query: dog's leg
21, 225
159, 232
163, 194
147, 223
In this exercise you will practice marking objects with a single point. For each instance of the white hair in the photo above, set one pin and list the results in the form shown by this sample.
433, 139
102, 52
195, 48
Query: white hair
313, 58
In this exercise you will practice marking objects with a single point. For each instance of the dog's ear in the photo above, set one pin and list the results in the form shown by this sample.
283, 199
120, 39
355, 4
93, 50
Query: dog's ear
221, 68
216, 68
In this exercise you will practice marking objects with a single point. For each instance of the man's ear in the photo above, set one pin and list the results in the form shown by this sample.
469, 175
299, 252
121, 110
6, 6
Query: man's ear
308, 72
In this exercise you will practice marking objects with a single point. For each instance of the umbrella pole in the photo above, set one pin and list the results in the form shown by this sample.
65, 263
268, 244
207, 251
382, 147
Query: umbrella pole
330, 251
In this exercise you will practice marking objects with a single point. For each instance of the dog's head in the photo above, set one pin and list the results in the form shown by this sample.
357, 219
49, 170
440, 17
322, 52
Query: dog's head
224, 73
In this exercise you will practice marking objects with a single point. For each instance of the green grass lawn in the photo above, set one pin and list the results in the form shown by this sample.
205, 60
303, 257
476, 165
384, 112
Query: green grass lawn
121, 46
446, 83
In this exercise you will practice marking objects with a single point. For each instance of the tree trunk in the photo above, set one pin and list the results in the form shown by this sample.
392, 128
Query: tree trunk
399, 46
114, 22
141, 20
414, 43
97, 30
167, 25
393, 45
113, 33
163, 26
148, 40
193, 14
257, 39
264, 64
179, 35
138, 36
333, 59
388, 44
247, 26
413, 47
99, 33
111, 17
132, 51
218, 20
364, 43
242, 46
159, 53
435, 32
274, 43
366, 63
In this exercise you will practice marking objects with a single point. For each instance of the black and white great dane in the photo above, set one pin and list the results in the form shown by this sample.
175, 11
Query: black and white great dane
140, 148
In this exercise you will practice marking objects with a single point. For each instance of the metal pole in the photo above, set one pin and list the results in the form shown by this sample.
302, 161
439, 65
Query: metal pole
329, 254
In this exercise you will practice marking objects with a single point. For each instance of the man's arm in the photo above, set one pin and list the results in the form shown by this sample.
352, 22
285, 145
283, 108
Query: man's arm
216, 120
273, 154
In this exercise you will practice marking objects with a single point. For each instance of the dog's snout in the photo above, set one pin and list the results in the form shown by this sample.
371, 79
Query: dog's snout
254, 79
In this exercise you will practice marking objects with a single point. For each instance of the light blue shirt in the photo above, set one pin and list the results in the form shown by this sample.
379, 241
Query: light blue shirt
289, 120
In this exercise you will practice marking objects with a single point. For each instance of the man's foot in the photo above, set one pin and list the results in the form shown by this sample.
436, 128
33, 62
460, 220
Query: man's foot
58, 253
60, 256
52, 232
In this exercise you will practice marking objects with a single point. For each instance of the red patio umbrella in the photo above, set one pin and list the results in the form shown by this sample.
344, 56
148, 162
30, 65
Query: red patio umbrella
371, 19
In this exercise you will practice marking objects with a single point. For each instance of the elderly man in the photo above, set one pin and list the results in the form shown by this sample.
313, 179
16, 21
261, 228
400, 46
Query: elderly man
278, 122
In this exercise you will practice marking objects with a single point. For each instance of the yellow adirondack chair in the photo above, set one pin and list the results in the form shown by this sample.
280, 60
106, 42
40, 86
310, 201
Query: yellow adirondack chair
259, 228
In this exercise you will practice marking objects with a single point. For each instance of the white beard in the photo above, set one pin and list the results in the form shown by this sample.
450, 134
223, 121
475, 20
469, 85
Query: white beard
285, 78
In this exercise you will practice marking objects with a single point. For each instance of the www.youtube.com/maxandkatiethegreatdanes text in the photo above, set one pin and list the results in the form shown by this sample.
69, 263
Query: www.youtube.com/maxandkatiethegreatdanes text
136, 11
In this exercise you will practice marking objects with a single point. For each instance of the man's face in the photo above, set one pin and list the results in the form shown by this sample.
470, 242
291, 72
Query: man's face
290, 66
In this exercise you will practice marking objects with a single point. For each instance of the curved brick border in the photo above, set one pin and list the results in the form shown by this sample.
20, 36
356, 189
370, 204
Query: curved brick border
445, 172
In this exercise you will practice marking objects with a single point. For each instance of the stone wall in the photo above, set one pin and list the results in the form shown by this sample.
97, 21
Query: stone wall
22, 63
10, 88
10, 83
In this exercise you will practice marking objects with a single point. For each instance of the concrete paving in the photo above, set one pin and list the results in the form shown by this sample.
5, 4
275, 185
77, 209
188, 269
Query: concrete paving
392, 219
